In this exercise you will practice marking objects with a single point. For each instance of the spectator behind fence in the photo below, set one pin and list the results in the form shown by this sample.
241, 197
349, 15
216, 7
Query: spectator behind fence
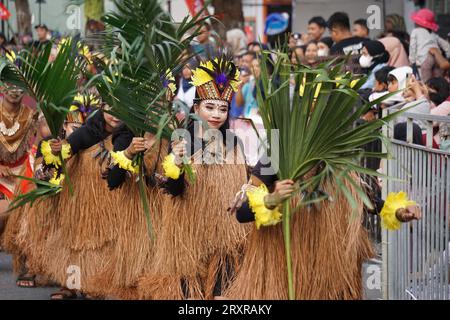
397, 54
244, 97
423, 38
360, 28
442, 61
186, 91
415, 95
204, 46
380, 87
374, 57
237, 40
247, 59
43, 35
344, 42
317, 26
394, 26
311, 54
438, 93
400, 133
397, 80
324, 46
255, 47
298, 54
295, 40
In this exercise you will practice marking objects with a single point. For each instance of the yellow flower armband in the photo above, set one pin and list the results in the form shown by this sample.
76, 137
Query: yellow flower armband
57, 179
171, 170
50, 158
123, 162
394, 202
263, 216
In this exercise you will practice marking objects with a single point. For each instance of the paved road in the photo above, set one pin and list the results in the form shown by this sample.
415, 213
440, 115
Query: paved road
8, 288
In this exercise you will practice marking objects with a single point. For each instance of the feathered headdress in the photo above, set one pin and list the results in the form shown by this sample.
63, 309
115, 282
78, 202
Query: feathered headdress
81, 107
216, 79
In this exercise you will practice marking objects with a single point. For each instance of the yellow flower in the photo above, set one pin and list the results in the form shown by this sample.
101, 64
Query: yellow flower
86, 99
263, 216
50, 158
120, 159
73, 108
199, 76
235, 84
57, 180
394, 202
11, 55
171, 81
172, 87
354, 83
83, 50
171, 170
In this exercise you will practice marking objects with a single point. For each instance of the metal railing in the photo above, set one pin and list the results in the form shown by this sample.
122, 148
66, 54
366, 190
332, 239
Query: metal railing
415, 259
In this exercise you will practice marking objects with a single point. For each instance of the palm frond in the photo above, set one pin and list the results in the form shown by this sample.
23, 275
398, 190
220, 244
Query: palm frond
42, 191
52, 84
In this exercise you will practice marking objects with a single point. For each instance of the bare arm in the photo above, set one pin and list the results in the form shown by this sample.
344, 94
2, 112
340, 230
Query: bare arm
440, 59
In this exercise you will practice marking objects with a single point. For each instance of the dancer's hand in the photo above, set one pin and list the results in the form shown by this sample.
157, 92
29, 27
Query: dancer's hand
56, 146
179, 150
409, 214
5, 173
283, 190
137, 145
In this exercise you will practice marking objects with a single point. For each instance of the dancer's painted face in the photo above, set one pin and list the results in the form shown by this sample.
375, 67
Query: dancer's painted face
213, 112
110, 120
13, 94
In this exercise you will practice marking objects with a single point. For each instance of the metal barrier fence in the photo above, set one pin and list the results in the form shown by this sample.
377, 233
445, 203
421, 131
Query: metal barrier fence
416, 258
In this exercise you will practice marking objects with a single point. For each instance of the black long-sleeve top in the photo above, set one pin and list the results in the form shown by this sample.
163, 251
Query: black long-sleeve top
177, 187
94, 132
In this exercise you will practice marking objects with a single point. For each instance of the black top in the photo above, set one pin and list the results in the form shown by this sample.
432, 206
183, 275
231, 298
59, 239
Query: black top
177, 187
94, 132
353, 45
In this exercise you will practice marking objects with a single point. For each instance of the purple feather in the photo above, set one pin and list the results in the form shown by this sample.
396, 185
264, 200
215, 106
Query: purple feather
221, 79
165, 81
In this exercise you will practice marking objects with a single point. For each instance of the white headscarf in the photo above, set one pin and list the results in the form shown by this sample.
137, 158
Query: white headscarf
401, 74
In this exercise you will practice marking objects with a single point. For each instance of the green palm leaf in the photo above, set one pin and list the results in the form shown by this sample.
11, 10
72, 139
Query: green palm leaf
52, 84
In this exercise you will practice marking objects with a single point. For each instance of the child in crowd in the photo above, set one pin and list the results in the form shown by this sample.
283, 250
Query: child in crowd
424, 38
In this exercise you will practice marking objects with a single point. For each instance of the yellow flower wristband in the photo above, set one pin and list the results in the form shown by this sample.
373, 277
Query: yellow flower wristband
171, 170
57, 180
263, 216
50, 158
123, 162
394, 202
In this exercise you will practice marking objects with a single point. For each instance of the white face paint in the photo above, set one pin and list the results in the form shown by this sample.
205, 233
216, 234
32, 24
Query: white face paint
213, 112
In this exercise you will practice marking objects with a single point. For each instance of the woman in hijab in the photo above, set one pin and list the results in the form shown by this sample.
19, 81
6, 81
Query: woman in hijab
394, 26
397, 81
398, 57
374, 57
